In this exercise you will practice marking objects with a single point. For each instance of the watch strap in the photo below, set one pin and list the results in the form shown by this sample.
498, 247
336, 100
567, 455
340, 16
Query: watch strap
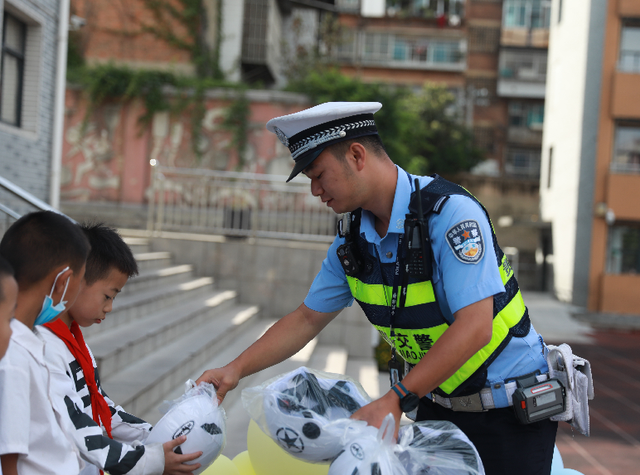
400, 390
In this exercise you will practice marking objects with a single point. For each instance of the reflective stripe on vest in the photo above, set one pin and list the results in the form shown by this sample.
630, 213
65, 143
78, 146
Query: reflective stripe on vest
419, 293
413, 344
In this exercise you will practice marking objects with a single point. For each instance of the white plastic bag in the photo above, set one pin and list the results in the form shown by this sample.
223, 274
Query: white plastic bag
427, 447
306, 411
197, 415
370, 451
437, 448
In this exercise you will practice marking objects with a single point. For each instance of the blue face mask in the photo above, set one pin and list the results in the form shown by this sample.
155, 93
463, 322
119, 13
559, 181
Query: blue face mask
50, 311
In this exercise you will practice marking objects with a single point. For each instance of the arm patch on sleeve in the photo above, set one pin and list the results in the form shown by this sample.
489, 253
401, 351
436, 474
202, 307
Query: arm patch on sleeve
465, 240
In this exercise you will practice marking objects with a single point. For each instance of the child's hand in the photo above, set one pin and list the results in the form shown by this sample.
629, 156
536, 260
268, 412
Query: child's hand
173, 462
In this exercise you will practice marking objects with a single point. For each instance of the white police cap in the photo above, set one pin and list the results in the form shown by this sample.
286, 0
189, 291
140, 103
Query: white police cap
308, 132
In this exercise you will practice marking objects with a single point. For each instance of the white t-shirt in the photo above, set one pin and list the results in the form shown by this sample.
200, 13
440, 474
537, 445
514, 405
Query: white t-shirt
122, 454
28, 425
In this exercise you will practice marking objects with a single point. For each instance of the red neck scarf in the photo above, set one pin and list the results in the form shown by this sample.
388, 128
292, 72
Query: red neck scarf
75, 342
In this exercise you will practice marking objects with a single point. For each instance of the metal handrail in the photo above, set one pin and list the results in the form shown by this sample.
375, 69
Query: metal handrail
236, 204
9, 211
25, 196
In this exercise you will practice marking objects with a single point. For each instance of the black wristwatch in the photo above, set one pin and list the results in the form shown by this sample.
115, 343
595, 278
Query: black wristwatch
408, 400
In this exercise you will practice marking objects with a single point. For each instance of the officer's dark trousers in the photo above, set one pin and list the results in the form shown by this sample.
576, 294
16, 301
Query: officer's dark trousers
506, 447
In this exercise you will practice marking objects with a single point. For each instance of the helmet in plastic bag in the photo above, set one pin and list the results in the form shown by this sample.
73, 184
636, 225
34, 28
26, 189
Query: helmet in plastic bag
299, 407
197, 415
438, 448
360, 457
369, 452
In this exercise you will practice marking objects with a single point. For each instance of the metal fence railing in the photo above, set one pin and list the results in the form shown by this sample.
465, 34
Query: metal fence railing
15, 202
236, 204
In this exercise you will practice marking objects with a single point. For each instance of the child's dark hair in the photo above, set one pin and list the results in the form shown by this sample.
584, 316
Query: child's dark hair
108, 251
39, 242
5, 270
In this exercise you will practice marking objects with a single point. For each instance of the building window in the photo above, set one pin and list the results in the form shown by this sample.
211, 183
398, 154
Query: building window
348, 6
254, 31
623, 249
630, 48
483, 39
483, 90
403, 51
346, 45
523, 114
12, 69
626, 154
523, 65
376, 47
523, 163
484, 138
424, 8
526, 13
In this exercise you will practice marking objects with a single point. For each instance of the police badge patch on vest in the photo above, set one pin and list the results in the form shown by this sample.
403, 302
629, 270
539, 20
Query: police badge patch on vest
465, 240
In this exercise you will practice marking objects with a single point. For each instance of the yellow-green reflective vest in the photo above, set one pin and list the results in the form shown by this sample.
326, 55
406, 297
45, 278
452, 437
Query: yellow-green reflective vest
419, 324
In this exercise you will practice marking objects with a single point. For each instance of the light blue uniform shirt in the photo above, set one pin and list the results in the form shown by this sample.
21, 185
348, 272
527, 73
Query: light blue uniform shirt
457, 284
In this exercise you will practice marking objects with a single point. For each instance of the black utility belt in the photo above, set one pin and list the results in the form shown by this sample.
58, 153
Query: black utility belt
534, 397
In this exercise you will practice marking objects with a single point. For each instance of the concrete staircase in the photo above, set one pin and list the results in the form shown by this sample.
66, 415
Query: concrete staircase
168, 326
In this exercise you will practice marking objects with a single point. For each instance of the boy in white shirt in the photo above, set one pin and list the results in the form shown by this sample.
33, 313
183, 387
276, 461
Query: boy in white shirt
8, 298
47, 252
74, 372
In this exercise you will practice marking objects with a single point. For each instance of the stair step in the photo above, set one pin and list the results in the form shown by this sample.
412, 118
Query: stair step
330, 359
121, 346
130, 307
366, 371
145, 383
152, 260
226, 354
151, 277
137, 245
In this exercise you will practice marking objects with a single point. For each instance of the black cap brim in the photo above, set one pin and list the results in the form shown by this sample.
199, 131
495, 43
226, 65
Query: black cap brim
304, 162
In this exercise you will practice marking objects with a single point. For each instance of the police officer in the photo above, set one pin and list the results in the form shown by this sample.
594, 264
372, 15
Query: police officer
461, 325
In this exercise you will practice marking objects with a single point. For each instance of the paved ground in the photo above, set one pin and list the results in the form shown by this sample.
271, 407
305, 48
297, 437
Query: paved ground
614, 445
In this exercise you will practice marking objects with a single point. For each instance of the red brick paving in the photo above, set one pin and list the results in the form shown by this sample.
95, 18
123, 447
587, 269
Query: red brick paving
614, 445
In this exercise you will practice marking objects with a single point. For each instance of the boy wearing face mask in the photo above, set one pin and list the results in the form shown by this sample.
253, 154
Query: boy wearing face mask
109, 265
48, 253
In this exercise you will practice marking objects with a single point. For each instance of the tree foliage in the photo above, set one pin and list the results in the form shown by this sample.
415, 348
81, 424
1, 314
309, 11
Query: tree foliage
440, 141
422, 132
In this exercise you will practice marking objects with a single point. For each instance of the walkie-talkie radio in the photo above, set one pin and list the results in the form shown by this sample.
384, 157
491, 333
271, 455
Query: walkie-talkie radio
415, 231
347, 253
534, 401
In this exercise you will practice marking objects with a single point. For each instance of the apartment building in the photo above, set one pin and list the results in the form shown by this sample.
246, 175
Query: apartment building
249, 37
521, 83
591, 153
490, 53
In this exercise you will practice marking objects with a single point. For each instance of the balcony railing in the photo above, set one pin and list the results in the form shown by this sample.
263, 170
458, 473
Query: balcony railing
237, 204
391, 50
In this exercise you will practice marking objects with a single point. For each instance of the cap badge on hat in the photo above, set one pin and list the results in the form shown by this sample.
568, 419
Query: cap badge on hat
282, 136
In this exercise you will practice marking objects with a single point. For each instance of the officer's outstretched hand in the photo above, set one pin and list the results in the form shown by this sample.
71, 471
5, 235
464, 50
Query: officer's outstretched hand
174, 464
223, 379
374, 412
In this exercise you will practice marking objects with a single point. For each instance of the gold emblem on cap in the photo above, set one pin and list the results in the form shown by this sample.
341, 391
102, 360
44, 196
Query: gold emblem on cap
282, 136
